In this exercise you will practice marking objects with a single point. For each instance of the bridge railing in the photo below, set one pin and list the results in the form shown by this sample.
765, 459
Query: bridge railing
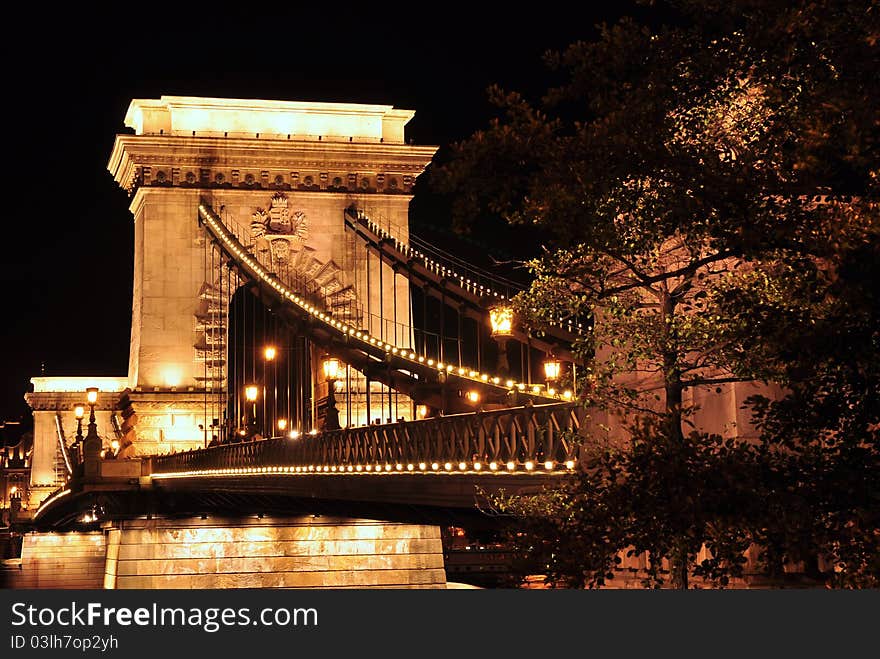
531, 437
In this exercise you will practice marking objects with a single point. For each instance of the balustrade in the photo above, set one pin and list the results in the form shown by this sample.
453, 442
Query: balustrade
531, 437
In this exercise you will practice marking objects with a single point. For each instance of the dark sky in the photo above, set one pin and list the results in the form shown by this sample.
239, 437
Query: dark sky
66, 271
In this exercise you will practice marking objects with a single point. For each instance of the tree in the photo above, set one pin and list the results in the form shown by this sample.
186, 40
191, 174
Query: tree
822, 441
677, 169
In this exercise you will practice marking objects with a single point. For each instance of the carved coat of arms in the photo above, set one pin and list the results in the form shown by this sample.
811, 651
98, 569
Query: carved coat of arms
278, 228
278, 219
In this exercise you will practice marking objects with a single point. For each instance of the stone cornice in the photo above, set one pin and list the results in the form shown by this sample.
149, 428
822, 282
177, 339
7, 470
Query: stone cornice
65, 401
236, 117
131, 152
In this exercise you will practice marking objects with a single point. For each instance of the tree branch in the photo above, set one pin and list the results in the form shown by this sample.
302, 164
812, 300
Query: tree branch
696, 382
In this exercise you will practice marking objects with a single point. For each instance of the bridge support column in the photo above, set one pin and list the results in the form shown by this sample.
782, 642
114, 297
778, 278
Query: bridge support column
277, 552
72, 560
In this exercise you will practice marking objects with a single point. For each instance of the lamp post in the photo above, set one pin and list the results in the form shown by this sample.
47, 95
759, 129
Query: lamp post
250, 394
78, 411
269, 353
331, 374
92, 443
501, 321
552, 369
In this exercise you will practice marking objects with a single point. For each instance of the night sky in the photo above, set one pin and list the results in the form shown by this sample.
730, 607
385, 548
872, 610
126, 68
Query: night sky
66, 271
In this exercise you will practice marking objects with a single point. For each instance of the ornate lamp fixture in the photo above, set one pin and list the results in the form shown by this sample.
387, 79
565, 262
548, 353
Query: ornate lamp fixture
251, 392
501, 319
332, 371
552, 369
91, 453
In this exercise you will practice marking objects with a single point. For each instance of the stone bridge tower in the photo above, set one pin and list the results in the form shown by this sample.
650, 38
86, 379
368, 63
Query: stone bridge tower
292, 162
291, 167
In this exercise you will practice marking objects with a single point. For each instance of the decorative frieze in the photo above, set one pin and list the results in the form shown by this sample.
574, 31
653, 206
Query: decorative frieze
216, 162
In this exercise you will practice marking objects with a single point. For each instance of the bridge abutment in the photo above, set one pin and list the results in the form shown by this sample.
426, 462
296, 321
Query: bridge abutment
237, 552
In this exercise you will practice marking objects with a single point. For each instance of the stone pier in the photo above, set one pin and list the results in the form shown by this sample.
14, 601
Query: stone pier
242, 552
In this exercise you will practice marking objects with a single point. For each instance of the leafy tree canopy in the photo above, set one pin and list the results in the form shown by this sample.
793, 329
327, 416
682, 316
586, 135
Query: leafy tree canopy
710, 182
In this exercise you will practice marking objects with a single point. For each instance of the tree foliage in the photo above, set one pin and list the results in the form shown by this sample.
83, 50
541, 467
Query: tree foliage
710, 183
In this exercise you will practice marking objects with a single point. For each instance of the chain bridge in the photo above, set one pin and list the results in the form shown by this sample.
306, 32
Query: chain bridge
296, 355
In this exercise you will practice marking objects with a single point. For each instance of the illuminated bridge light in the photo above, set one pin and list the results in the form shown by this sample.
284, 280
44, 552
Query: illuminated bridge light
369, 467
410, 467
387, 467
360, 468
477, 466
569, 464
529, 465
493, 466
462, 466
422, 466
435, 466
548, 465
511, 466
448, 466
399, 467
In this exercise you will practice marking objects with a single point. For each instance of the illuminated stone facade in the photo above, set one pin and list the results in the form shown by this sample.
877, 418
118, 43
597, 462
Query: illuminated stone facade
285, 168
53, 401
247, 157
296, 552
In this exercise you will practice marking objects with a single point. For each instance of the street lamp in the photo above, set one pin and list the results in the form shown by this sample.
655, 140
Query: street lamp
269, 354
501, 322
92, 398
92, 443
331, 370
250, 393
78, 411
552, 369
501, 319
282, 425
